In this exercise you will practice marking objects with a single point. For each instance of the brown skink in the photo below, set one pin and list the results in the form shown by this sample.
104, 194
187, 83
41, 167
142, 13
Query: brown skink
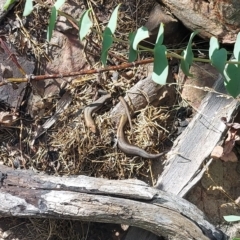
122, 100
129, 148
90, 109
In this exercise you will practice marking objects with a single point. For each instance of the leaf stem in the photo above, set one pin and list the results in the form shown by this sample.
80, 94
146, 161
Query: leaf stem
169, 54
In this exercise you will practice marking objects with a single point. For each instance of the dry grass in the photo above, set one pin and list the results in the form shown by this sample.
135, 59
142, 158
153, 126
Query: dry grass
57, 229
69, 147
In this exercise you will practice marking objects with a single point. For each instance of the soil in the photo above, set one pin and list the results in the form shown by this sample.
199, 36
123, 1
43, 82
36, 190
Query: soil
52, 229
60, 150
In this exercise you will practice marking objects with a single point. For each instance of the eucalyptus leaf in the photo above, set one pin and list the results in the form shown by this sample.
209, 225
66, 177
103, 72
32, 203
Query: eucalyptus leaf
231, 74
236, 50
219, 58
112, 24
213, 45
8, 3
231, 218
142, 33
106, 44
187, 54
132, 53
160, 35
28, 8
85, 24
51, 25
184, 65
160, 67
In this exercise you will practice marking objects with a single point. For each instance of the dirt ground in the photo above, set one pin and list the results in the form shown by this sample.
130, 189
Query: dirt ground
61, 151
31, 229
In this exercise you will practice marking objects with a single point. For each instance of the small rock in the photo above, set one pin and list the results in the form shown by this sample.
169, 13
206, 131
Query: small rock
230, 157
217, 152
173, 29
6, 234
124, 227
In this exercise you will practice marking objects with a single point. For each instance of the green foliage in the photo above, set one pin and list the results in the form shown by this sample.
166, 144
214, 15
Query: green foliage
232, 72
53, 18
160, 65
218, 57
106, 44
160, 35
7, 4
28, 8
108, 35
231, 218
132, 53
236, 50
112, 24
187, 55
141, 34
52, 22
85, 24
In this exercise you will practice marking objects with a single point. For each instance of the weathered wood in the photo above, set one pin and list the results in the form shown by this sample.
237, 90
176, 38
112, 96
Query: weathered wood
211, 18
186, 160
127, 202
28, 194
144, 92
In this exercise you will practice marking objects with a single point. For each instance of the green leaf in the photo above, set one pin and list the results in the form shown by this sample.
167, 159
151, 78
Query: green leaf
236, 50
85, 24
51, 24
142, 33
232, 84
160, 35
59, 3
132, 53
213, 45
106, 44
112, 24
108, 35
8, 3
218, 57
28, 8
184, 65
160, 67
187, 54
231, 218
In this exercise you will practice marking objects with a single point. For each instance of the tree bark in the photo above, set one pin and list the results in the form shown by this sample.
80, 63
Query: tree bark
28, 194
212, 18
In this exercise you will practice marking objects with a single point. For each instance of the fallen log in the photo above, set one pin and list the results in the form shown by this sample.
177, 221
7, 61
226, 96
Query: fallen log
25, 193
189, 158
143, 93
28, 194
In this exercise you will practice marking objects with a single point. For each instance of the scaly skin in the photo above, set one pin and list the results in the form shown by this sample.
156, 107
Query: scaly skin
90, 109
129, 148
